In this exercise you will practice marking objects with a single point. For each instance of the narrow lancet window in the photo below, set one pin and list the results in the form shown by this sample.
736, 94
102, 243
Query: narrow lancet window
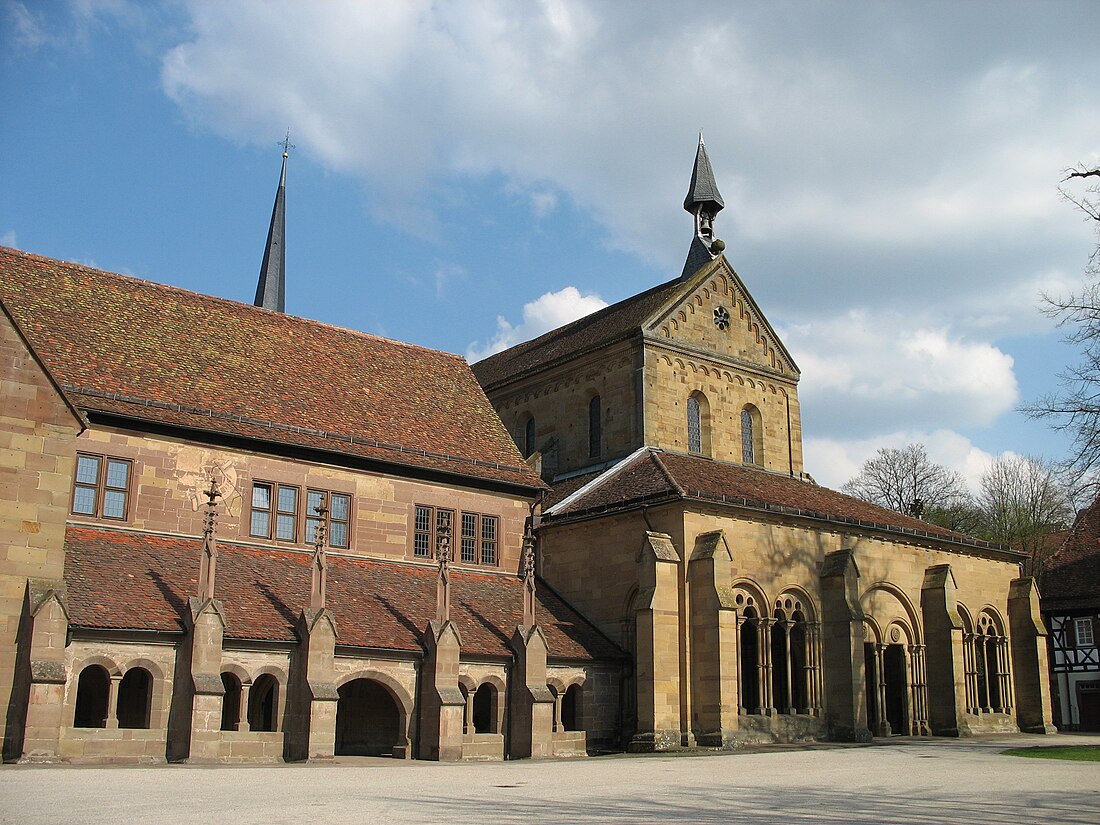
594, 433
748, 453
695, 426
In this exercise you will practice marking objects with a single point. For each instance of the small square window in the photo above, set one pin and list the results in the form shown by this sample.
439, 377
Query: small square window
1083, 628
101, 486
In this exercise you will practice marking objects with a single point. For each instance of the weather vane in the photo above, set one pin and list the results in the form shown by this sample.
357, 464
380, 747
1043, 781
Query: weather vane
286, 144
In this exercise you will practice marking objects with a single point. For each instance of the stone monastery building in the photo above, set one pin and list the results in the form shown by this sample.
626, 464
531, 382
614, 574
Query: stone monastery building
232, 535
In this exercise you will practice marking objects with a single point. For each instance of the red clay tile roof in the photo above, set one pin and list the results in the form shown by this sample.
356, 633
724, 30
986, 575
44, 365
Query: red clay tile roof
1071, 576
132, 581
603, 327
657, 476
123, 345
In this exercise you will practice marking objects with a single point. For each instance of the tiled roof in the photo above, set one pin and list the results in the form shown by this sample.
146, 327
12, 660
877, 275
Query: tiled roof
133, 347
132, 581
603, 327
1071, 576
656, 475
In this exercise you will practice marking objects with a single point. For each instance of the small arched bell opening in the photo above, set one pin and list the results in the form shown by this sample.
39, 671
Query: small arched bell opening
135, 698
93, 690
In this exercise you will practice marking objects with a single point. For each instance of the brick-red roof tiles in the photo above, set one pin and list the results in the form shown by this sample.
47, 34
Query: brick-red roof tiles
1071, 576
103, 334
132, 581
656, 475
603, 327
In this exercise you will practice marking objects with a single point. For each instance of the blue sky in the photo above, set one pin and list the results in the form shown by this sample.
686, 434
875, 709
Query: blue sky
470, 174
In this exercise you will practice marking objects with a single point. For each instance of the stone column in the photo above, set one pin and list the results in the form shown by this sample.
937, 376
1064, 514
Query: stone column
318, 696
657, 646
884, 728
206, 626
714, 641
531, 704
1029, 658
943, 632
842, 649
767, 689
442, 707
49, 624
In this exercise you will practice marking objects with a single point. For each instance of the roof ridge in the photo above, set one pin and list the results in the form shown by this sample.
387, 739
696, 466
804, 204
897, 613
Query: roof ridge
590, 317
275, 425
228, 301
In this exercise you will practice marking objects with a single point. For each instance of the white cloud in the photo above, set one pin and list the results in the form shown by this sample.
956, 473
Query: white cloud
884, 372
543, 203
547, 312
9, 239
832, 462
27, 31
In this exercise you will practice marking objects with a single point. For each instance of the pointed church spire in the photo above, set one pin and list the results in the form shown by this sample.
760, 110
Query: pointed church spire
704, 201
271, 290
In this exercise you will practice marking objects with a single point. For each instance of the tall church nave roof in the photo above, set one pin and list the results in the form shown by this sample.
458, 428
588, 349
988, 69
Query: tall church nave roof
149, 352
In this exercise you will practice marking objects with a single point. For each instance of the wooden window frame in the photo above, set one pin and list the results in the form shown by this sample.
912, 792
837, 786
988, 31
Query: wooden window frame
436, 518
480, 542
100, 487
302, 514
309, 515
1079, 639
273, 511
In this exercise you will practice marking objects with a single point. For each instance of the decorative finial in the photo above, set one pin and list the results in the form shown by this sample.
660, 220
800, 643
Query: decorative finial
319, 588
208, 567
443, 579
287, 145
528, 576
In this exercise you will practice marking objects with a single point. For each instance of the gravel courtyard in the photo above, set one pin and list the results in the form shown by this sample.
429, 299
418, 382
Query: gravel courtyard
965, 782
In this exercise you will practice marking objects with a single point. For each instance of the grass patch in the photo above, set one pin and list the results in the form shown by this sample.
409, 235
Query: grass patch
1075, 753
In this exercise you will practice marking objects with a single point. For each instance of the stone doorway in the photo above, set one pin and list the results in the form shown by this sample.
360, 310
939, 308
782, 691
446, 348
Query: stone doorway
368, 720
896, 689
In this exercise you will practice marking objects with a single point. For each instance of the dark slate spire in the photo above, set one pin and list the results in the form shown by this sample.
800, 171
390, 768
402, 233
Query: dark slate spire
703, 191
704, 201
271, 290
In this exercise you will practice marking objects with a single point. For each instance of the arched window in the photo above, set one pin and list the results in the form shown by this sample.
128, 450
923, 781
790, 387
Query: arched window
698, 424
92, 689
594, 433
571, 708
988, 662
752, 436
485, 709
695, 426
263, 703
231, 701
135, 697
529, 437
